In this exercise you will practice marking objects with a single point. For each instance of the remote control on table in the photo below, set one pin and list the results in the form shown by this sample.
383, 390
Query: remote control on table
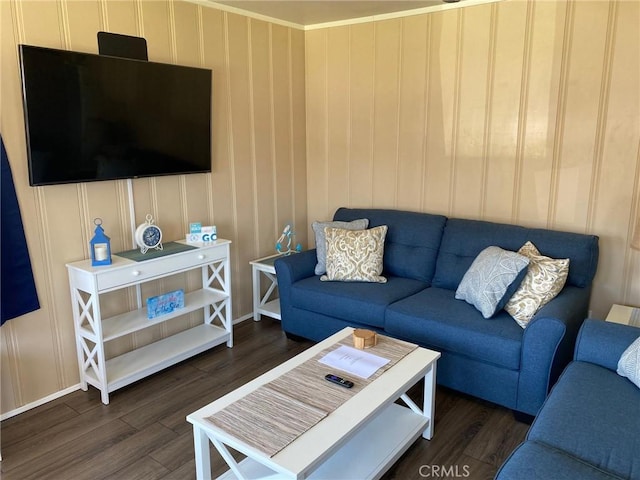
338, 380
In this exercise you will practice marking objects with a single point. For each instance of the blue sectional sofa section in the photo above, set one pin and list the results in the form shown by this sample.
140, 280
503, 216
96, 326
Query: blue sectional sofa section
589, 426
425, 258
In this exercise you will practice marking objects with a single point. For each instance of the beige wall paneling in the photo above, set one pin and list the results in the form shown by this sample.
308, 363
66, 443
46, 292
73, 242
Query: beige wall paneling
11, 32
84, 21
298, 143
509, 69
262, 146
43, 333
215, 57
617, 149
577, 128
239, 30
361, 94
281, 158
474, 110
525, 121
412, 112
338, 110
120, 17
154, 25
38, 349
385, 112
441, 116
318, 187
546, 25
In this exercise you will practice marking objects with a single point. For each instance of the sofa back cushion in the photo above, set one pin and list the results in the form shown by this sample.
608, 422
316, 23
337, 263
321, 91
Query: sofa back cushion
463, 240
412, 243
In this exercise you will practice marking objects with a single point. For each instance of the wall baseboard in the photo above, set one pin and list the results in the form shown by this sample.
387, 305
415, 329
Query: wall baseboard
39, 402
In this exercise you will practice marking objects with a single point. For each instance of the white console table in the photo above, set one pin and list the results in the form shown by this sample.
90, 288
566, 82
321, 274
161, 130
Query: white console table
267, 304
87, 283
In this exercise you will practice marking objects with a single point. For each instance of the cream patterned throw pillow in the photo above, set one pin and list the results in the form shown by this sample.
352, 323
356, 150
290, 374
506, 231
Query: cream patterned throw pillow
321, 240
629, 363
544, 280
355, 255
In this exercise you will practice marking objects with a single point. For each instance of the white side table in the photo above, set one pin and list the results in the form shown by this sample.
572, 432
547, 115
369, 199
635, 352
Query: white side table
267, 304
625, 315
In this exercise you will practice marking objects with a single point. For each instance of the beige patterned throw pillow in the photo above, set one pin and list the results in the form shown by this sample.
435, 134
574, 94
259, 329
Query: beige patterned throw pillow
355, 255
544, 280
321, 241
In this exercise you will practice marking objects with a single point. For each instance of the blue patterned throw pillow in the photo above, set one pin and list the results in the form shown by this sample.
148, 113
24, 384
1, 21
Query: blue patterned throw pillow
492, 275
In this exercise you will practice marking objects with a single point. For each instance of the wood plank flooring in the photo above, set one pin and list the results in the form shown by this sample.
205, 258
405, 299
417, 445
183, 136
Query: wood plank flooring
143, 435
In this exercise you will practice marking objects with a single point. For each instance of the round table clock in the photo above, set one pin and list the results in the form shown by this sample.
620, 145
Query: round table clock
148, 235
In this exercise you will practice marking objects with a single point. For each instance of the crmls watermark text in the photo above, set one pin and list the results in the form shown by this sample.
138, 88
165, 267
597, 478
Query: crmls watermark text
445, 471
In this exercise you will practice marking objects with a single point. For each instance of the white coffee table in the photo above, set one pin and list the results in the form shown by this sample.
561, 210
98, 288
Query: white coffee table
361, 439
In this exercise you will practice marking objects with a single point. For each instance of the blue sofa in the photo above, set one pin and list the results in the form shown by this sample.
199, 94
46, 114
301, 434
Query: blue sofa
589, 426
425, 258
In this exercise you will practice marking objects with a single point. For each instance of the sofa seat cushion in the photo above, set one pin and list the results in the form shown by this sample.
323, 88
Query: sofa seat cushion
590, 402
533, 461
435, 318
364, 303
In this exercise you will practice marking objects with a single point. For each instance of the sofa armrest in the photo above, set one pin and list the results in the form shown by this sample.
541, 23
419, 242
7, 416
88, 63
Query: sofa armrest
289, 270
547, 345
603, 342
295, 267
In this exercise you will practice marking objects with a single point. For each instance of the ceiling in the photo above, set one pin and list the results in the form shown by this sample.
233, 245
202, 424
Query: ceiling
312, 12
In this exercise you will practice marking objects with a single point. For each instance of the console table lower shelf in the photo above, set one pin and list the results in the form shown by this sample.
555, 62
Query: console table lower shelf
138, 364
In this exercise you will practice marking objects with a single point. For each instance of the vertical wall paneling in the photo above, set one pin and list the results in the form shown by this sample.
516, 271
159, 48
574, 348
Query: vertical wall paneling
583, 84
337, 130
442, 87
523, 104
473, 111
316, 80
505, 127
258, 112
262, 126
543, 83
524, 112
282, 161
297, 139
425, 109
242, 138
385, 112
411, 106
361, 95
561, 114
215, 57
618, 143
601, 121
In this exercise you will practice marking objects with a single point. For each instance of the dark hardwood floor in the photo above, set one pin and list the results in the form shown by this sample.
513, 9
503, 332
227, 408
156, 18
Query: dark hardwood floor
143, 434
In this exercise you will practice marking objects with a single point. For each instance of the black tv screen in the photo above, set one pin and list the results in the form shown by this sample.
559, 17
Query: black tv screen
91, 117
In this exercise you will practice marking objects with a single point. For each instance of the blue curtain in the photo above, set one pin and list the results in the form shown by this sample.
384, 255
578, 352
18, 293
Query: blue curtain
17, 287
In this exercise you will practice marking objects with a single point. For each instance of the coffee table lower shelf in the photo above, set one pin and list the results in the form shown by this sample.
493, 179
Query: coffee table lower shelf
368, 454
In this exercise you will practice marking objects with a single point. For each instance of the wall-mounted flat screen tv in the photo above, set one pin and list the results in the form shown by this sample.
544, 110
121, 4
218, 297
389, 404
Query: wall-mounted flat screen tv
91, 117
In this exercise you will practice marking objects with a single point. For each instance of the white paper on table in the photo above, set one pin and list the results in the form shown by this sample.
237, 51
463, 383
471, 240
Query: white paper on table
356, 362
